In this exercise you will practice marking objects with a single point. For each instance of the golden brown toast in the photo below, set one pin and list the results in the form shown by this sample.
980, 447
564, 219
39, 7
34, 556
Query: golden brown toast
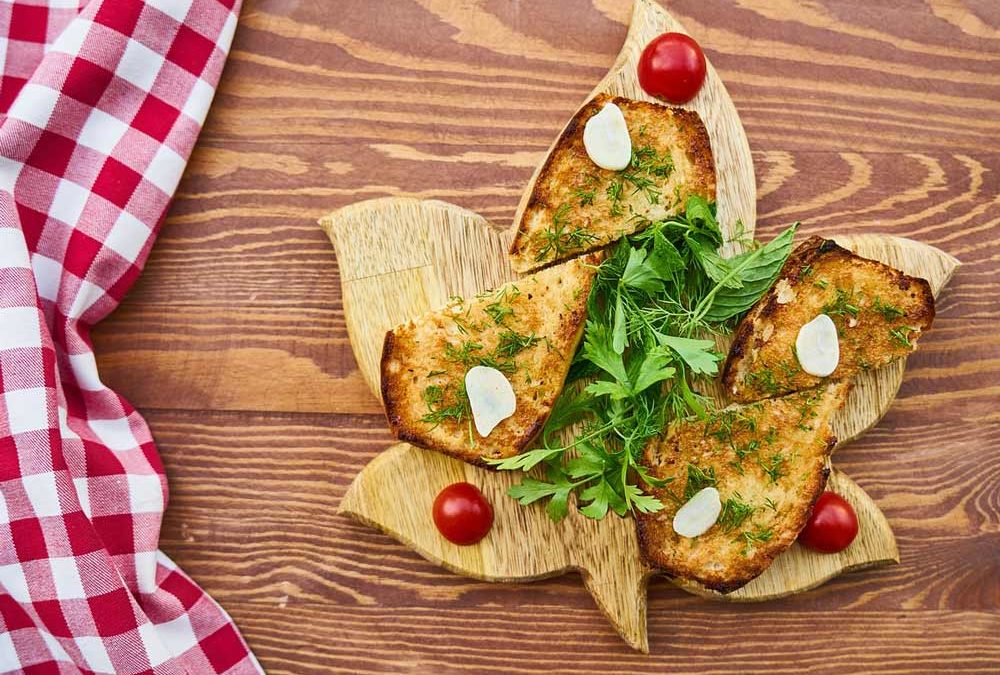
528, 329
768, 461
576, 206
879, 312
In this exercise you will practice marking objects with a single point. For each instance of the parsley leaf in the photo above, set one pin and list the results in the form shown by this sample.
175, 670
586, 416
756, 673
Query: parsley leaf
699, 355
653, 300
598, 350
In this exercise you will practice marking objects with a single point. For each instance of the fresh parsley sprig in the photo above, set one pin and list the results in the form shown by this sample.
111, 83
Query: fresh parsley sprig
654, 303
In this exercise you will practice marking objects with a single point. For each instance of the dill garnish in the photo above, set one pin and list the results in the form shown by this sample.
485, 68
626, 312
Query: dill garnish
734, 513
560, 238
463, 354
842, 305
511, 343
437, 411
888, 312
901, 336
773, 467
698, 480
759, 536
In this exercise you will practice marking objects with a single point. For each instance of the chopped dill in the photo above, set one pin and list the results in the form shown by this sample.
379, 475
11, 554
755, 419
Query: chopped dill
463, 354
764, 381
759, 536
559, 238
511, 343
498, 312
842, 305
888, 312
774, 466
901, 336
437, 412
735, 512
698, 480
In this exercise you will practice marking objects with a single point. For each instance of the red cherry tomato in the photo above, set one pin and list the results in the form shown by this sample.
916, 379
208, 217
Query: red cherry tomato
832, 526
462, 514
672, 67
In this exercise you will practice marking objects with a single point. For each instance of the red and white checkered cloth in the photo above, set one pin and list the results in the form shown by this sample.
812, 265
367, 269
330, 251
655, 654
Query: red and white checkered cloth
102, 105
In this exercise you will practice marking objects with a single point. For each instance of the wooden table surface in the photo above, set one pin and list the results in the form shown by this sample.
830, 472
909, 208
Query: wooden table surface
862, 116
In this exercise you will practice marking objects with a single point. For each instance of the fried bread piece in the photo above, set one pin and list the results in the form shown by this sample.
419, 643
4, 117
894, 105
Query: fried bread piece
768, 460
879, 313
576, 206
528, 329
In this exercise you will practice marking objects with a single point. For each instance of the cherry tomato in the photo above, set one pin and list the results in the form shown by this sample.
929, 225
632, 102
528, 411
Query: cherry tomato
672, 67
462, 514
832, 525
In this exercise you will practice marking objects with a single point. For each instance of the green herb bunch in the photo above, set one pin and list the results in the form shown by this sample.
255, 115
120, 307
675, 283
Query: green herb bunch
655, 300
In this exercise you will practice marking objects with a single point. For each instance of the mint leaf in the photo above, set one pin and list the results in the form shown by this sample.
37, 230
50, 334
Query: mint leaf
701, 214
699, 355
758, 271
716, 267
665, 258
639, 273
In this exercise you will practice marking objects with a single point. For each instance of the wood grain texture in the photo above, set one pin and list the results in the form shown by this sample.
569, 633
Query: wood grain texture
862, 117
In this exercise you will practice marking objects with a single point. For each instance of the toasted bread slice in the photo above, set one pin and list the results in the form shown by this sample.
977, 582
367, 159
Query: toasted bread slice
528, 329
879, 312
576, 206
768, 460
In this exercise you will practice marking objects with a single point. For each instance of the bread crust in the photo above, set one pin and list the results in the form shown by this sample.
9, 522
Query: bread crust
568, 169
762, 361
721, 559
550, 307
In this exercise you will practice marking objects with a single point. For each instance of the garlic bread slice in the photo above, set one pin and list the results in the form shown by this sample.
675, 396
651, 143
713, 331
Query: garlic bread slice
768, 461
879, 313
528, 330
576, 206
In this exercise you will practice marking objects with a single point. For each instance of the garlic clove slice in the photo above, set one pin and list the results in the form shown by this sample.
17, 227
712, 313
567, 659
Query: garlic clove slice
699, 513
606, 139
491, 398
817, 346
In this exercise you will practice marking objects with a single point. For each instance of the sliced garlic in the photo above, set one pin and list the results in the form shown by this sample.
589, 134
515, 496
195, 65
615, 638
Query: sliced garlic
818, 347
491, 398
699, 513
606, 139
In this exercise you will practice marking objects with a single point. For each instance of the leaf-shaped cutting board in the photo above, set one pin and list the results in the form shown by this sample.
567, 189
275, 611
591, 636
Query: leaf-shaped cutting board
399, 258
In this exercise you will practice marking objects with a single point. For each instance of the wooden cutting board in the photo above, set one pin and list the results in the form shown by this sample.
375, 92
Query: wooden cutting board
399, 258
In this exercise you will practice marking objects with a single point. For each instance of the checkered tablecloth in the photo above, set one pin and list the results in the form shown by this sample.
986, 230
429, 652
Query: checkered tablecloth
102, 101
